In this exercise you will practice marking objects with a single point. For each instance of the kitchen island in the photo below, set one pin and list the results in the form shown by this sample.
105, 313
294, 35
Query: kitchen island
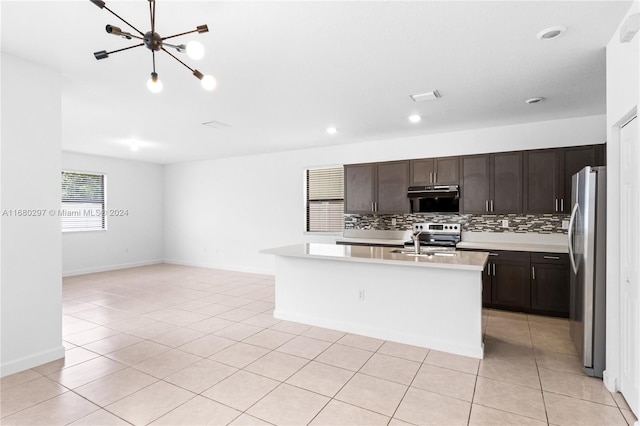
433, 301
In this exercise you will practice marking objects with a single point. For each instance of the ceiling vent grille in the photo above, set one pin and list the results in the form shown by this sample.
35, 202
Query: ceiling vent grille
216, 124
427, 96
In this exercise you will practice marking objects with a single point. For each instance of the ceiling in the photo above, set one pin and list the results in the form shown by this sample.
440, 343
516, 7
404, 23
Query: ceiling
288, 70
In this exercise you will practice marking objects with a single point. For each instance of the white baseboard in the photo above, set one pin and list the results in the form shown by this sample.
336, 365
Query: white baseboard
393, 336
610, 382
220, 266
107, 268
27, 362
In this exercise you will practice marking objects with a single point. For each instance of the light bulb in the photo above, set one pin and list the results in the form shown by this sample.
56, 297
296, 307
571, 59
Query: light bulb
154, 84
195, 50
208, 82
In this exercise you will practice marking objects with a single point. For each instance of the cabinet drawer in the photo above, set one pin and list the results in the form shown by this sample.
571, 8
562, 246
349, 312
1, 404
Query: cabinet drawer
554, 258
508, 256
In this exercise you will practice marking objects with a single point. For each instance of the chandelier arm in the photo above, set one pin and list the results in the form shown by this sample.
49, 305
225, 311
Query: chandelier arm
123, 20
178, 35
133, 36
176, 58
125, 48
197, 30
173, 46
152, 14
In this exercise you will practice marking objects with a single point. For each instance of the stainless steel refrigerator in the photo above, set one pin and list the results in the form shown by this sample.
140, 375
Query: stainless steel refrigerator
587, 252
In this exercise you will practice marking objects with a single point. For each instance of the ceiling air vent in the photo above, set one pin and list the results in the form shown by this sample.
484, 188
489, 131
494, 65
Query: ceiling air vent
216, 124
427, 96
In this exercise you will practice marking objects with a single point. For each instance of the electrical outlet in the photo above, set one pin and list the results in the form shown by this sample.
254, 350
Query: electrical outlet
565, 224
361, 295
393, 221
505, 223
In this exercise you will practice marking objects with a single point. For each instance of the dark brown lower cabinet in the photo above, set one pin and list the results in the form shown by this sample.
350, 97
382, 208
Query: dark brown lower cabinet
510, 285
527, 282
486, 285
550, 283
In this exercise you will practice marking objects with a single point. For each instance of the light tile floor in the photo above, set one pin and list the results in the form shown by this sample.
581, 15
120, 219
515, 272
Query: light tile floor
172, 345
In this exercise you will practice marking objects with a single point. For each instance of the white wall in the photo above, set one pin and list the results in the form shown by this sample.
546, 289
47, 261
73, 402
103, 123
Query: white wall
31, 287
623, 94
131, 240
219, 213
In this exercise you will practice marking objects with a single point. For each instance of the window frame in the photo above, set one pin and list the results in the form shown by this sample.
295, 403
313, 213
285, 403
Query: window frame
103, 206
306, 201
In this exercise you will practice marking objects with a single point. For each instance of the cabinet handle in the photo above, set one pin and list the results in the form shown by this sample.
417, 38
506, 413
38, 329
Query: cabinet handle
493, 254
556, 204
533, 272
561, 204
435, 177
430, 177
494, 269
373, 206
486, 205
552, 257
491, 205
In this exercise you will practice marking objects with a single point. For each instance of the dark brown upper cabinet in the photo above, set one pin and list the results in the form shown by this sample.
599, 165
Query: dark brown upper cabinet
575, 159
379, 188
359, 188
492, 183
435, 171
543, 181
548, 174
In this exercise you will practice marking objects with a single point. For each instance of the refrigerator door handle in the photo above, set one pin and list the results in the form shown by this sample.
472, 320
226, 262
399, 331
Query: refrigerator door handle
570, 235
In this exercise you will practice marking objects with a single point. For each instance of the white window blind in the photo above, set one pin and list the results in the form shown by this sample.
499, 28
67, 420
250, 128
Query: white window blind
83, 202
325, 200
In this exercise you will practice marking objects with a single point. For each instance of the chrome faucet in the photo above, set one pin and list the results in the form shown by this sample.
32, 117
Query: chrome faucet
416, 240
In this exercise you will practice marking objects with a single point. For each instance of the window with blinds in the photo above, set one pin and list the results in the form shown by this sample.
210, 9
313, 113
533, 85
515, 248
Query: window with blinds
325, 200
83, 202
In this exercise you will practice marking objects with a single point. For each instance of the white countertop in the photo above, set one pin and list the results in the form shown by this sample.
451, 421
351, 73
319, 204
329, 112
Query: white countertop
461, 260
373, 241
513, 241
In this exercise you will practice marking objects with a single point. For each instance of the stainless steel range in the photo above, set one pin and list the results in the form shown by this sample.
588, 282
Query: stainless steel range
437, 235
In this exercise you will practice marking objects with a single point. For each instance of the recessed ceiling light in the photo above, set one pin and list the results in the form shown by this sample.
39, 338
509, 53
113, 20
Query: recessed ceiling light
534, 100
427, 96
332, 130
551, 33
415, 118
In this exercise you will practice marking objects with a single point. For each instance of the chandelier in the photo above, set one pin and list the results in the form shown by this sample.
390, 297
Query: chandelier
154, 42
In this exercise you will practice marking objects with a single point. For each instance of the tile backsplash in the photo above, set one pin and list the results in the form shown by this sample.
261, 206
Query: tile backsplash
543, 223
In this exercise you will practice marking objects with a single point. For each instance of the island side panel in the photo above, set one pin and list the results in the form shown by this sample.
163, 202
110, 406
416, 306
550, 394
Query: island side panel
430, 307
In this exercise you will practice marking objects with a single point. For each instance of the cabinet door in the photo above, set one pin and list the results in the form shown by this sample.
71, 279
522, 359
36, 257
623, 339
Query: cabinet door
422, 171
359, 186
506, 186
392, 184
550, 288
542, 178
447, 171
486, 285
575, 159
510, 286
475, 183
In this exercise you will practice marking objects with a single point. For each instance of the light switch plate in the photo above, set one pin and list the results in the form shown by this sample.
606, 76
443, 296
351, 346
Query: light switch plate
565, 224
